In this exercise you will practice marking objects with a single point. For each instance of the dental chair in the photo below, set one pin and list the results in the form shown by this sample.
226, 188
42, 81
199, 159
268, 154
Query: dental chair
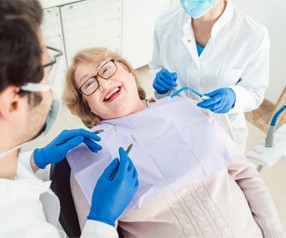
60, 177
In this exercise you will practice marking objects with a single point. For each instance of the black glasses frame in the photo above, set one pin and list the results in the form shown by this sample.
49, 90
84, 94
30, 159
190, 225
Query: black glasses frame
113, 61
59, 54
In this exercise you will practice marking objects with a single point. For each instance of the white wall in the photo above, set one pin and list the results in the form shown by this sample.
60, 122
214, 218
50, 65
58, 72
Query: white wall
271, 13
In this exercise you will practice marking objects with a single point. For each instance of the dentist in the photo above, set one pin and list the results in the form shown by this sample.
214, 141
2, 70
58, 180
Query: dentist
28, 108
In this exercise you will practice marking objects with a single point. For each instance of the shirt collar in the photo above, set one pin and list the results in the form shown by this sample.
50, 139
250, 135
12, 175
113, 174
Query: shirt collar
187, 28
221, 22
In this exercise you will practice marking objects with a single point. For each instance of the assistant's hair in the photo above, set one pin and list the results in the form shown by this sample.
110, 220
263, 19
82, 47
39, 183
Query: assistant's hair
73, 98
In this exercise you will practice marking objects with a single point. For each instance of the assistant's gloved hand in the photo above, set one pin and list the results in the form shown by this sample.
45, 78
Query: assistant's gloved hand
221, 100
164, 81
68, 139
111, 197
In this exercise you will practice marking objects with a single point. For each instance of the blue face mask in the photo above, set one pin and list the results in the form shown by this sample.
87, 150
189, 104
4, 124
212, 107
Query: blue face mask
197, 8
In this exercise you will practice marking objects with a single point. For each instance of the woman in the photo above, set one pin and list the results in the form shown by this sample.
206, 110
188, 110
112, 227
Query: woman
188, 188
217, 50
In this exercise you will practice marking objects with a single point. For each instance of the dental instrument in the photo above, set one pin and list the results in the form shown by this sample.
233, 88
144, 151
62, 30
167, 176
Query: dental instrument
116, 169
204, 97
190, 89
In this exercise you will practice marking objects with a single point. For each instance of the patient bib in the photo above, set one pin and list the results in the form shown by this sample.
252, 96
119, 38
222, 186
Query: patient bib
174, 145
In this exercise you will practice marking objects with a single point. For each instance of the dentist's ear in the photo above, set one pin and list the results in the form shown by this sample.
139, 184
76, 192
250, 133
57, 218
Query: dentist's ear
9, 102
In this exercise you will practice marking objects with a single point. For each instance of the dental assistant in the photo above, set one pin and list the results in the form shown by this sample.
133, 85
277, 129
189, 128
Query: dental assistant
28, 108
213, 47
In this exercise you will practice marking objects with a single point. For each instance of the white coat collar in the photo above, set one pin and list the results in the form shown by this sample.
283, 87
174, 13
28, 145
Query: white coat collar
221, 22
187, 28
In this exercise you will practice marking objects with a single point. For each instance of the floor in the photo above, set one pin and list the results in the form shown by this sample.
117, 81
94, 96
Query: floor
274, 176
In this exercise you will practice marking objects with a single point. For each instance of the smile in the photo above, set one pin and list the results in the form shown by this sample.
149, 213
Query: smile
114, 93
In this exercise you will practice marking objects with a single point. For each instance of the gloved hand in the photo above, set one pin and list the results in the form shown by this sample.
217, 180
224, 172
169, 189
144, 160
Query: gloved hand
68, 139
164, 81
221, 100
111, 197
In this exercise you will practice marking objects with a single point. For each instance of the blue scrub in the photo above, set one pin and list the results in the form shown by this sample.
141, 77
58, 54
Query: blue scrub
199, 49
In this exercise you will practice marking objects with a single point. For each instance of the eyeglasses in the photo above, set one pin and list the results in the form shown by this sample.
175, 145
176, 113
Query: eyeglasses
55, 54
106, 71
36, 87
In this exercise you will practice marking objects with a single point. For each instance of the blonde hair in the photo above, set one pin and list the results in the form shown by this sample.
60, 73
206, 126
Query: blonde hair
73, 98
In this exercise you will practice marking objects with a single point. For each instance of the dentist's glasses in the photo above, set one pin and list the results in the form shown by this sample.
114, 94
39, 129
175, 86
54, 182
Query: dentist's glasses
55, 55
106, 71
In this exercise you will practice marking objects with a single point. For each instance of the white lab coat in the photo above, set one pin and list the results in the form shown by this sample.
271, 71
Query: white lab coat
238, 49
29, 209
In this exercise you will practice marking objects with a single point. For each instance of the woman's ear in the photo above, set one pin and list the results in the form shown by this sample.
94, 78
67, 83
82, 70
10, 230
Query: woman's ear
9, 102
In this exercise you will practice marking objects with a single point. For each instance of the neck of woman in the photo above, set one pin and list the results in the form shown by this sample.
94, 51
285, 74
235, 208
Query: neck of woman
202, 26
212, 15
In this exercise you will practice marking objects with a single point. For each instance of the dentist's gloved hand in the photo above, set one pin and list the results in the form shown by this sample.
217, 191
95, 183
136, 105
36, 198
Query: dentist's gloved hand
221, 100
56, 151
164, 81
111, 197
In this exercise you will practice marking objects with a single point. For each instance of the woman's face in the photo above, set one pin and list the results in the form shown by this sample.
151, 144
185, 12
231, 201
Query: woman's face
116, 96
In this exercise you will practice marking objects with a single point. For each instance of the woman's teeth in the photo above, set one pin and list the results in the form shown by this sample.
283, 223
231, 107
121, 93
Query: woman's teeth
111, 94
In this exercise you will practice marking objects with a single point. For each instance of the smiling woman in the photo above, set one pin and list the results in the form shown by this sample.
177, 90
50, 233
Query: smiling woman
95, 79
193, 181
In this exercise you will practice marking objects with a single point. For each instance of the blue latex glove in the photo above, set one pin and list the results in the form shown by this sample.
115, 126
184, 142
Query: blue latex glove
221, 100
53, 153
164, 81
111, 197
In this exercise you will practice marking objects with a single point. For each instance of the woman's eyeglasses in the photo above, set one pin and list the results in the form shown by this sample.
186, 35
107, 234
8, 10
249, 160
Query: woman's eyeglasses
106, 71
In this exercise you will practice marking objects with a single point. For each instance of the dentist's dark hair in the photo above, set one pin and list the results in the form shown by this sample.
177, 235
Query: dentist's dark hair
31, 9
20, 49
20, 53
